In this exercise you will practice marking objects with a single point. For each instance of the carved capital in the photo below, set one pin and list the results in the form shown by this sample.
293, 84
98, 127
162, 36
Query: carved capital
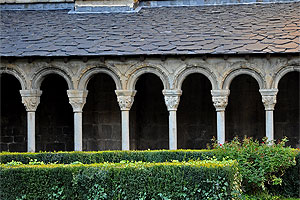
220, 99
31, 99
77, 98
172, 98
269, 98
125, 98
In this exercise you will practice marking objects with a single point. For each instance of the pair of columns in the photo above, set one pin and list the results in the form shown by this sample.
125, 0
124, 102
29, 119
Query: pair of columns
31, 100
125, 100
220, 100
77, 98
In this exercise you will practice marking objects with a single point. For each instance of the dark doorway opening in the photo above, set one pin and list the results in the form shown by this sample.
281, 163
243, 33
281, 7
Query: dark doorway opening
287, 112
54, 116
245, 112
101, 116
149, 115
13, 136
196, 114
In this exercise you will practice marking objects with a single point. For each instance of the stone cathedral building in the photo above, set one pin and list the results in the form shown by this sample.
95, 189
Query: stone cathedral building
127, 74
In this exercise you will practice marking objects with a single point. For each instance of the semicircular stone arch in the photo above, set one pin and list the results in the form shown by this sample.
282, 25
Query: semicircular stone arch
247, 71
137, 74
17, 75
282, 72
41, 75
86, 77
180, 77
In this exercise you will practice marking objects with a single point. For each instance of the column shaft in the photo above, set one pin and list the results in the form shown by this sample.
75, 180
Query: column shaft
77, 99
172, 98
31, 131
269, 101
78, 131
269, 125
31, 100
172, 130
220, 100
221, 127
125, 99
125, 130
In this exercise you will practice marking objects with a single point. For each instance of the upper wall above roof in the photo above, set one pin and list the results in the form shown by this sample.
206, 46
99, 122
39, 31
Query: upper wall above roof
230, 29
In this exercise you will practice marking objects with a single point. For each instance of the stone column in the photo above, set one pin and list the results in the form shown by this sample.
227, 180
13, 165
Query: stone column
220, 100
125, 99
77, 99
172, 98
269, 100
31, 100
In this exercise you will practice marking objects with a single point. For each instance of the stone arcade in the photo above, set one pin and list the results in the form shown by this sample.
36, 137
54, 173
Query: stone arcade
149, 77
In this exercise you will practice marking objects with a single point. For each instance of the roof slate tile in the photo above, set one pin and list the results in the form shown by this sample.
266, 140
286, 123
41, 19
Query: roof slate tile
252, 28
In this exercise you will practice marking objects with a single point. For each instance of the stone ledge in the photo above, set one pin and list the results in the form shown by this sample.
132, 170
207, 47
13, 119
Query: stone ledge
34, 1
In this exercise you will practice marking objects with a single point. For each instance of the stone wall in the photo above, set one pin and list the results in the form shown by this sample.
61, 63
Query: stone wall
151, 115
54, 117
245, 113
287, 109
101, 116
13, 116
196, 114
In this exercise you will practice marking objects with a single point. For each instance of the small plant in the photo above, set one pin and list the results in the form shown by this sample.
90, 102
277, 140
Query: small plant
76, 163
261, 164
35, 162
13, 163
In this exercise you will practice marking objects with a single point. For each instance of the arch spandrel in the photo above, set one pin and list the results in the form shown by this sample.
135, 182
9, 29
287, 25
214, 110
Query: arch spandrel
283, 71
182, 75
247, 71
87, 75
17, 75
137, 74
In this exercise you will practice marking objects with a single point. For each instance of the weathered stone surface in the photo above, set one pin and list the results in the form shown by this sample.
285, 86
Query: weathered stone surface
149, 114
34, 1
17, 147
7, 139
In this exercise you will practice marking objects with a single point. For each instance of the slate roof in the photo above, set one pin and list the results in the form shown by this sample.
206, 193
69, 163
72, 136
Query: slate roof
227, 29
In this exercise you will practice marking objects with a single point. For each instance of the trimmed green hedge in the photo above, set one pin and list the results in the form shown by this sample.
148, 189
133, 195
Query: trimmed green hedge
128, 180
107, 156
290, 181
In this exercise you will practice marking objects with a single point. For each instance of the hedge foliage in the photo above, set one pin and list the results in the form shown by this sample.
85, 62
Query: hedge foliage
208, 179
107, 156
290, 181
272, 158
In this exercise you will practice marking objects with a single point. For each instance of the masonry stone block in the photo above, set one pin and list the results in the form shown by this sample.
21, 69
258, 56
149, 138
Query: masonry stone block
106, 132
7, 139
113, 145
55, 147
19, 138
116, 132
17, 147
4, 147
